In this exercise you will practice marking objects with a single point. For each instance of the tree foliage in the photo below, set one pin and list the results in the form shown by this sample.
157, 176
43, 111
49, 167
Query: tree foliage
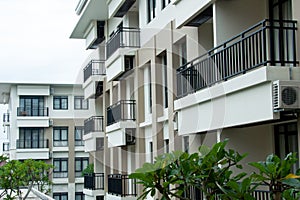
210, 170
15, 174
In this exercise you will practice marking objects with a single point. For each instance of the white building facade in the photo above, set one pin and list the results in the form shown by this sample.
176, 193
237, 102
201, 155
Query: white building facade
46, 122
173, 75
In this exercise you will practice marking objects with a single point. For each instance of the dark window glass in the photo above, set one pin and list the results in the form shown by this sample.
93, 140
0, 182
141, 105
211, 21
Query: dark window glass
60, 102
60, 167
80, 164
60, 136
80, 103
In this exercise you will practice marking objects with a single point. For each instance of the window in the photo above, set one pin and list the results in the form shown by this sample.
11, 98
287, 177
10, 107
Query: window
79, 130
60, 167
167, 146
80, 103
5, 146
60, 136
60, 102
31, 138
80, 165
186, 144
164, 3
60, 196
151, 6
32, 106
286, 140
79, 196
164, 81
151, 151
99, 144
182, 53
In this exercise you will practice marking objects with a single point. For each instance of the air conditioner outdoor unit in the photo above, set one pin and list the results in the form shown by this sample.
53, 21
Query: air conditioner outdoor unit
286, 95
130, 136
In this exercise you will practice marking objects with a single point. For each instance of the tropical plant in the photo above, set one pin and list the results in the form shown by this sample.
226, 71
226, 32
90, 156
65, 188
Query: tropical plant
88, 170
209, 170
277, 175
15, 174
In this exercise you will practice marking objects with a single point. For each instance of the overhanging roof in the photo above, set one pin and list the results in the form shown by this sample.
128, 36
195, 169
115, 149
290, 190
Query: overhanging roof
94, 10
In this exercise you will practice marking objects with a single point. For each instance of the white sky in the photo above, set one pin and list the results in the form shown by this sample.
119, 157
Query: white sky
35, 44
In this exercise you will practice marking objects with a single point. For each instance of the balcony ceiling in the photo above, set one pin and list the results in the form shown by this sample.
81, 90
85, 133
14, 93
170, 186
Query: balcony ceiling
94, 10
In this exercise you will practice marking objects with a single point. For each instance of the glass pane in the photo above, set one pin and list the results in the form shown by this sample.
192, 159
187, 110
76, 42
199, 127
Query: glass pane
56, 103
64, 134
64, 165
85, 164
56, 164
78, 165
78, 133
85, 104
64, 197
77, 103
56, 134
64, 103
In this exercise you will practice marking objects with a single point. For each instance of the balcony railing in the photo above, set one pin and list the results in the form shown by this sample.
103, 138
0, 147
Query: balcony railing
259, 194
32, 144
266, 43
33, 112
94, 67
94, 181
121, 111
123, 37
93, 124
6, 118
121, 185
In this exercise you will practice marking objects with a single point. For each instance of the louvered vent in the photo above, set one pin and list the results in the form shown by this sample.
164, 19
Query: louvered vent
276, 95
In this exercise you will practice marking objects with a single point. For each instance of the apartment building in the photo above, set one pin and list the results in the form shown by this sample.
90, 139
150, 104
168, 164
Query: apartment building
175, 74
46, 122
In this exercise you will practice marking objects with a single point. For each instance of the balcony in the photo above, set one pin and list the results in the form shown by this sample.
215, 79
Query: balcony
32, 117
35, 149
241, 70
93, 129
248, 50
124, 37
94, 184
93, 77
120, 185
6, 119
121, 126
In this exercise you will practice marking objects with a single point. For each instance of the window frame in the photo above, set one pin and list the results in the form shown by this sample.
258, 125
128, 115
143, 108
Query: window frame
62, 173
165, 3
60, 195
80, 195
79, 141
60, 99
83, 103
151, 10
81, 160
60, 140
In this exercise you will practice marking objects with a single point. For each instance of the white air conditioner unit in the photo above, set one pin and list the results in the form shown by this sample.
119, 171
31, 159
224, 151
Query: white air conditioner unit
130, 136
50, 122
286, 95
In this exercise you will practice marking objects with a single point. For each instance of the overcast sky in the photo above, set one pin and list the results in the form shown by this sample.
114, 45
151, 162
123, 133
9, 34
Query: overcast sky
34, 41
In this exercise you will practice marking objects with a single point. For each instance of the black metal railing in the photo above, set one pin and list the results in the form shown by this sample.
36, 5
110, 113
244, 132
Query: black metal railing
32, 144
94, 67
6, 118
123, 37
93, 124
33, 112
121, 111
266, 43
94, 181
121, 185
262, 193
